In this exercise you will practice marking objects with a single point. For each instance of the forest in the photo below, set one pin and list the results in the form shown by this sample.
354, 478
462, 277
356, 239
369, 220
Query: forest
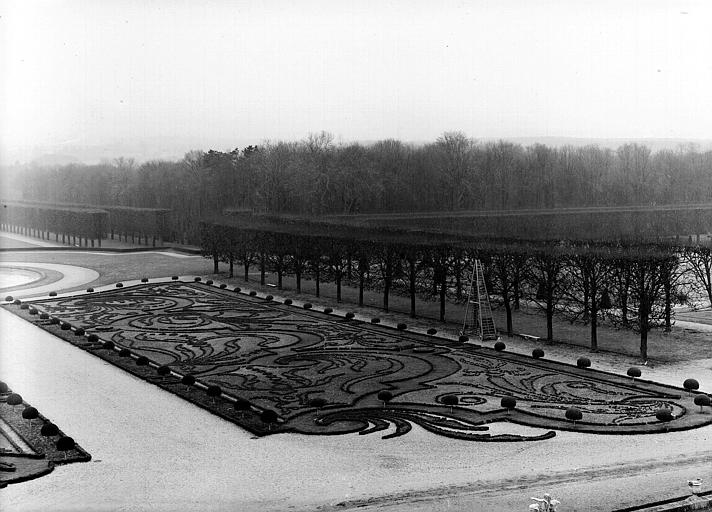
317, 176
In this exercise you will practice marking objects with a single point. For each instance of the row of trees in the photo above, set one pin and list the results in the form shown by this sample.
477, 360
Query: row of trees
316, 176
41, 221
631, 285
126, 221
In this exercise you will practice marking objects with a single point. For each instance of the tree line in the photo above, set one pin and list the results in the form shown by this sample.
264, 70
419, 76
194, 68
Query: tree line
316, 176
43, 221
632, 285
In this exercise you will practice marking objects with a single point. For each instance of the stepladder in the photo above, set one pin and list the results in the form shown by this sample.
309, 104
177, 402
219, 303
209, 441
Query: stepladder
478, 319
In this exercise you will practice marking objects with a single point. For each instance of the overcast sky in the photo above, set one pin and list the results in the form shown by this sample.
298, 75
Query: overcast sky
98, 72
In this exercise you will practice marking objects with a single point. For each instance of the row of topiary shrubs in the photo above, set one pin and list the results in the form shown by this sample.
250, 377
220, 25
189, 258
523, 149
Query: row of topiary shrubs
62, 443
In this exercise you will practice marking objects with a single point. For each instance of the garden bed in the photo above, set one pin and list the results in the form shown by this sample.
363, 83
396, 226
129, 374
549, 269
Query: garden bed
280, 358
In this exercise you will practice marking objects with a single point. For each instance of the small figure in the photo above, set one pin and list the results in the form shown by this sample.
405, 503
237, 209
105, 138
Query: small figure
545, 504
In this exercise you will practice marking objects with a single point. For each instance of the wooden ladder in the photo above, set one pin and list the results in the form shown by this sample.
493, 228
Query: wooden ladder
478, 312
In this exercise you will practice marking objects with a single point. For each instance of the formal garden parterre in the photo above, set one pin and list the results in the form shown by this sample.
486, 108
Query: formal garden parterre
30, 444
272, 367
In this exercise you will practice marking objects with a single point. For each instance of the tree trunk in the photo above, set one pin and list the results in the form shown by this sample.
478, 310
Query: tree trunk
387, 286
594, 314
458, 279
338, 286
411, 269
317, 281
508, 311
361, 278
232, 266
443, 290
549, 317
668, 306
298, 275
644, 325
263, 264
247, 270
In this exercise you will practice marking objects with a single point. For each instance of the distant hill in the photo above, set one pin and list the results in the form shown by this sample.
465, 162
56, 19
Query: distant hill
174, 148
652, 143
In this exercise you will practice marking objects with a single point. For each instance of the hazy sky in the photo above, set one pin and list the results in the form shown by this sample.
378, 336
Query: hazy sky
102, 71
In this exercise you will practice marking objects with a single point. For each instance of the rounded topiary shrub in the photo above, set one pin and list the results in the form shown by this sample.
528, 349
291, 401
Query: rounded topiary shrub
9, 298
214, 391
508, 402
65, 326
144, 279
109, 345
269, 297
33, 311
30, 413
385, 397
174, 278
288, 301
93, 338
237, 289
583, 362
573, 414
664, 415
4, 388
54, 320
119, 285
90, 290
499, 346
537, 353
450, 400
223, 286
307, 305
702, 401
163, 370
463, 338
79, 331
241, 405
17, 302
52, 294
142, 361
328, 311
209, 282
197, 279
432, 331
124, 352
634, 372
691, 385
44, 316
65, 444
375, 320
253, 293
14, 399
188, 380
49, 429
317, 403
24, 306
269, 417
401, 327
